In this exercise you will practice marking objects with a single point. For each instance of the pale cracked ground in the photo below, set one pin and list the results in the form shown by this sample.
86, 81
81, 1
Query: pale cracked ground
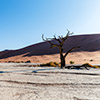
18, 82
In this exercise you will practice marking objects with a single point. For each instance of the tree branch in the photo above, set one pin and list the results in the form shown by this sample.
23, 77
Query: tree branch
57, 39
49, 41
67, 35
71, 50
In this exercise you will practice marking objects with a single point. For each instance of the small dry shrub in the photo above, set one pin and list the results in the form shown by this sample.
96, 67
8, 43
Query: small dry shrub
95, 66
89, 65
18, 62
53, 64
22, 61
71, 62
91, 60
9, 61
28, 61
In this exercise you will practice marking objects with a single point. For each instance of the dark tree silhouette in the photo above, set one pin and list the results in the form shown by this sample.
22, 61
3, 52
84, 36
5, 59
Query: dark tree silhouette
59, 45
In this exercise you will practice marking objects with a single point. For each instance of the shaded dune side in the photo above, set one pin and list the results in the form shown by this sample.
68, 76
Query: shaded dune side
87, 42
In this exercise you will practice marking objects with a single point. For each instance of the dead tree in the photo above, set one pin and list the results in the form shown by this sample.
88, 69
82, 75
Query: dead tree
59, 45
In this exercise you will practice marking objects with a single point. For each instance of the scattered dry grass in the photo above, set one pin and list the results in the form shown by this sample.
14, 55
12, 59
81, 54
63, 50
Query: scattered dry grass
52, 64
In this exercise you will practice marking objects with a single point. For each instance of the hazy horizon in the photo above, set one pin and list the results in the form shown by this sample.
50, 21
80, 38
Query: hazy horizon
22, 22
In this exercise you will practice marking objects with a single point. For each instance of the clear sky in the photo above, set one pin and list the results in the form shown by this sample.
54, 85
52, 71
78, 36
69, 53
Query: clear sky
22, 22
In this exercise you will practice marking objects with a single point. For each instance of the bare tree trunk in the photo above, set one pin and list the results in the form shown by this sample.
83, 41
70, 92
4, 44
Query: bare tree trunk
62, 61
59, 45
62, 58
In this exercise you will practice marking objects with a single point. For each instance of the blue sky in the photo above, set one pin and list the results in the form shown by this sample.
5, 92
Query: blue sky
22, 22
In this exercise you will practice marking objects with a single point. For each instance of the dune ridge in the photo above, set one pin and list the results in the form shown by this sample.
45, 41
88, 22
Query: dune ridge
41, 52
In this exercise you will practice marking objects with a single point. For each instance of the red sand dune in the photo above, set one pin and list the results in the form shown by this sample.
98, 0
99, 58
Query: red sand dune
41, 51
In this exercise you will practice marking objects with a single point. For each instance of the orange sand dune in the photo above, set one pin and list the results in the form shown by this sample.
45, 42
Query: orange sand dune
77, 57
41, 52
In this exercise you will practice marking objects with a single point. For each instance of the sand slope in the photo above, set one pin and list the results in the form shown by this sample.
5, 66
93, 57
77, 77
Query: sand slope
41, 52
77, 57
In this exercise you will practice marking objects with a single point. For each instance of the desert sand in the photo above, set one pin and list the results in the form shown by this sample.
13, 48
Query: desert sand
77, 57
20, 82
42, 53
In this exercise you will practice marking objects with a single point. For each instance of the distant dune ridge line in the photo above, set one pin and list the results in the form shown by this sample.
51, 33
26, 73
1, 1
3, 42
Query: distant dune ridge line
87, 43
